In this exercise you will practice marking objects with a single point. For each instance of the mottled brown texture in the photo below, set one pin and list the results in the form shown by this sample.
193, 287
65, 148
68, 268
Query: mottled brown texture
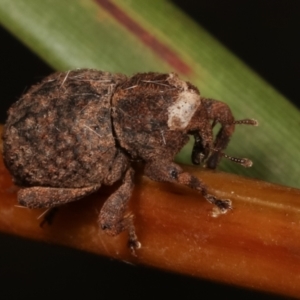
80, 129
59, 133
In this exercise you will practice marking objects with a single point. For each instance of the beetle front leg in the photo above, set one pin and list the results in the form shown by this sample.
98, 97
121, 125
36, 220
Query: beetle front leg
113, 219
171, 172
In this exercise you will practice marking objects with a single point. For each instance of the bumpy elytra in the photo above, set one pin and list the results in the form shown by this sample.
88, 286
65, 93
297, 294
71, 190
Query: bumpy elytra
81, 129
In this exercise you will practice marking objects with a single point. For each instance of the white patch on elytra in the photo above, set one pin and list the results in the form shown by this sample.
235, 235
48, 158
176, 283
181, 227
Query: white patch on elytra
183, 109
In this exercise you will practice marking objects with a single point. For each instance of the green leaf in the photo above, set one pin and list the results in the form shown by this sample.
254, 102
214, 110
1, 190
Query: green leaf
136, 36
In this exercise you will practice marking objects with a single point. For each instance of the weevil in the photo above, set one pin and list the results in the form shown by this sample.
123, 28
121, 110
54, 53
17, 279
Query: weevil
78, 130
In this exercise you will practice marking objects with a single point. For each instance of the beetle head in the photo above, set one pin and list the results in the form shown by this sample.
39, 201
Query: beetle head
207, 149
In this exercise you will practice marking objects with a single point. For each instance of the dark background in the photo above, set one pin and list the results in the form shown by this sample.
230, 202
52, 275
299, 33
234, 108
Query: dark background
265, 35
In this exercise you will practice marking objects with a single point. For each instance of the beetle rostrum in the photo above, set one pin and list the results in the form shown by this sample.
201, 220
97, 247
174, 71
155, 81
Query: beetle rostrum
81, 129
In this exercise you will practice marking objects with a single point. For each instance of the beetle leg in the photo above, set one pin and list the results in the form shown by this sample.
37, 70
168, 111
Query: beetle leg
119, 166
171, 172
200, 151
47, 197
113, 218
48, 216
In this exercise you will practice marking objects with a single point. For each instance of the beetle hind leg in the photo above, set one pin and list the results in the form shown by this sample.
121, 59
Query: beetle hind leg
48, 216
47, 197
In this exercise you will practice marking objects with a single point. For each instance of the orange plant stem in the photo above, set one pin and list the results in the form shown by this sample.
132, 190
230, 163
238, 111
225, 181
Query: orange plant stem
256, 245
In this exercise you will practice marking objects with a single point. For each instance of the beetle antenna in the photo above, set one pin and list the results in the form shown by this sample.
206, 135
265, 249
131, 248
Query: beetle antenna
246, 122
245, 162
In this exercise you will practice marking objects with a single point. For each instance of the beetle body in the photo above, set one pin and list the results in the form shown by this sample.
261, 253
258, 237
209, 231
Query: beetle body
80, 129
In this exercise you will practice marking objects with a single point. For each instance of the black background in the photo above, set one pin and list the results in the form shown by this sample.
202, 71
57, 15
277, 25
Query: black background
265, 35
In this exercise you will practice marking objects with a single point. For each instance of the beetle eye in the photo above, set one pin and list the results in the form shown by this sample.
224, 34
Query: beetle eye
174, 174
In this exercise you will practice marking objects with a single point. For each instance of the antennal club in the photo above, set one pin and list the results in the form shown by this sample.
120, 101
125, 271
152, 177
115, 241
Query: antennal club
246, 122
245, 162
